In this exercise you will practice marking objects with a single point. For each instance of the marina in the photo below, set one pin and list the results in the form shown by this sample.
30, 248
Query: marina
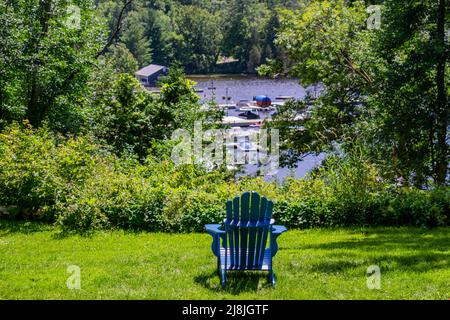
249, 102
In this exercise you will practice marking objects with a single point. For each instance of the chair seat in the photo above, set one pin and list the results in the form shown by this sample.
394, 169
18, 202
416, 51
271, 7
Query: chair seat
266, 264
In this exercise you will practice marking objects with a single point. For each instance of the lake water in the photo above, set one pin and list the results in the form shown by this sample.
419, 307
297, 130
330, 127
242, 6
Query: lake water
238, 88
232, 89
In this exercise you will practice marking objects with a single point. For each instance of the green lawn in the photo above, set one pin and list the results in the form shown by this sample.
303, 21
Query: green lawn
311, 264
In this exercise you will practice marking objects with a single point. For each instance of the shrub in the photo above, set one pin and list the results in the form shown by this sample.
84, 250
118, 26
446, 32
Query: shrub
37, 167
83, 187
426, 208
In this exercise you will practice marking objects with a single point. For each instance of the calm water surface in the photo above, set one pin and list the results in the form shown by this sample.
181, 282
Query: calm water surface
238, 88
232, 89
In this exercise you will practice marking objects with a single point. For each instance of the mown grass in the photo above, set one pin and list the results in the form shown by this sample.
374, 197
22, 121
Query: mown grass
311, 264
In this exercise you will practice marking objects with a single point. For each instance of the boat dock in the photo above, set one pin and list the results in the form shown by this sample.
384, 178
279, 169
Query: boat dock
240, 122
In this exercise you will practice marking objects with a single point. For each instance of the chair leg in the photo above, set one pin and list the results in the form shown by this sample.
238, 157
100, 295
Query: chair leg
272, 278
223, 278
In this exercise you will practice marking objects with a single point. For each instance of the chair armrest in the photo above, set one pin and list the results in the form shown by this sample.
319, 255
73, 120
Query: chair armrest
216, 233
214, 229
275, 232
278, 230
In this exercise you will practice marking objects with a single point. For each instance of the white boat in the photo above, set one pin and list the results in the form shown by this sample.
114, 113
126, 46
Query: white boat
239, 122
251, 109
278, 103
246, 103
256, 109
228, 106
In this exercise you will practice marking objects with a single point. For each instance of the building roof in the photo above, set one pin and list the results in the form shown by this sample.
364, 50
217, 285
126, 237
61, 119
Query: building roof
149, 70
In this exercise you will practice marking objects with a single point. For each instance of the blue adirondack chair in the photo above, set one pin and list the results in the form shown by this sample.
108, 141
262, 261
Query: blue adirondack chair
240, 243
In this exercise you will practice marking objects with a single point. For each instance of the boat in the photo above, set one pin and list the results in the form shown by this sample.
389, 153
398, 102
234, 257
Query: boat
303, 116
250, 109
263, 101
278, 103
284, 98
239, 122
229, 106
246, 103
249, 115
243, 146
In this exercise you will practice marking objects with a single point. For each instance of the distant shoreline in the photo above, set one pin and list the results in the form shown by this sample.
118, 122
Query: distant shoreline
232, 76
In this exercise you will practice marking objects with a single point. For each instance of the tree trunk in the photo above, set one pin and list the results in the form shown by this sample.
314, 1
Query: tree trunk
441, 167
34, 112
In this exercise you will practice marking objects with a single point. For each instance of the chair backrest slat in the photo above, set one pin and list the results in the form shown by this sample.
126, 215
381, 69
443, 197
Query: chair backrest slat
245, 206
235, 232
247, 226
230, 236
259, 234
254, 217
267, 217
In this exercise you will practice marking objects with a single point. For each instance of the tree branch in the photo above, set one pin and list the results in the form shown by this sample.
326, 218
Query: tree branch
350, 64
116, 30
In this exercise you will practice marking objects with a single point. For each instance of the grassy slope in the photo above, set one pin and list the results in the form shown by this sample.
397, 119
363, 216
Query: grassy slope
313, 264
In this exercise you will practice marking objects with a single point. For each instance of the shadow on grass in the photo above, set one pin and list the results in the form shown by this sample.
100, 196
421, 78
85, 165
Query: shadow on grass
13, 226
237, 282
417, 250
9, 227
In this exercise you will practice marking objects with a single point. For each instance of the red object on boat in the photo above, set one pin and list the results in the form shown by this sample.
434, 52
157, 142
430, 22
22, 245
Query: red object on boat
263, 101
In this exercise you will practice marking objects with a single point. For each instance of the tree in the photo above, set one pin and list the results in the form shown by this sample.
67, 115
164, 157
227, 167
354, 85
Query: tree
254, 59
54, 49
131, 119
411, 96
245, 31
11, 67
121, 60
327, 43
200, 38
124, 118
384, 89
133, 36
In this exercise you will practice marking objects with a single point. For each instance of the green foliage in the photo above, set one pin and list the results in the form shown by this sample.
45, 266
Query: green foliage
11, 101
45, 71
38, 167
121, 60
349, 190
413, 207
82, 187
410, 135
195, 34
135, 40
199, 38
124, 118
249, 32
386, 89
133, 120
327, 43
177, 89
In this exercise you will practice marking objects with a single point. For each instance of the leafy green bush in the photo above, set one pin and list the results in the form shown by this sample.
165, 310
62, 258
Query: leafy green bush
82, 187
413, 207
37, 168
